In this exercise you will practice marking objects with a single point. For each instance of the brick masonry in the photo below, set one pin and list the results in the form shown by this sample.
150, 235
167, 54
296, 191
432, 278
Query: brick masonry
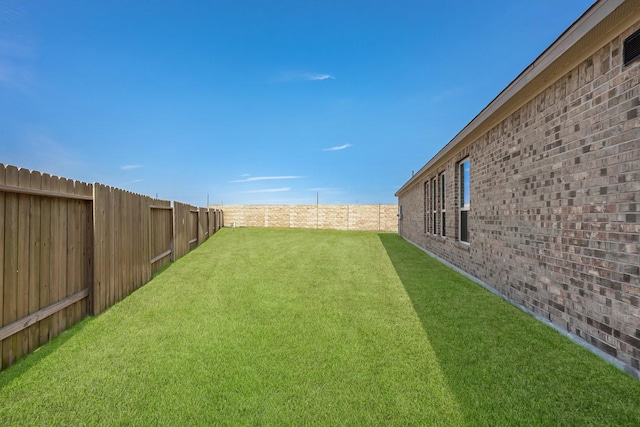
336, 217
555, 204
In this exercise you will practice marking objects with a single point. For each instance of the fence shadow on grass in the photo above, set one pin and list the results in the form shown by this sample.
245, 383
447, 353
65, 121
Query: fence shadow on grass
23, 365
503, 366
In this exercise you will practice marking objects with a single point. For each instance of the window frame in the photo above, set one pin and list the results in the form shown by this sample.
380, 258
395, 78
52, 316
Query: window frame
443, 204
427, 210
464, 196
434, 204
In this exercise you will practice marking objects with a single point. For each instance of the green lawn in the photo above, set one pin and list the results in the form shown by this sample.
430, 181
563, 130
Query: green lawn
307, 327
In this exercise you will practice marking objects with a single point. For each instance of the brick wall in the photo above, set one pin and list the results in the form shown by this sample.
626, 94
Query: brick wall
555, 195
337, 217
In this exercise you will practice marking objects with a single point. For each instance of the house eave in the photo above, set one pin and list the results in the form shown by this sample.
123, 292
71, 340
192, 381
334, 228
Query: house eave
587, 34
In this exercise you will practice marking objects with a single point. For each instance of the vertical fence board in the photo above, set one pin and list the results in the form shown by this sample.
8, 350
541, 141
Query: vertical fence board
202, 225
145, 260
131, 241
111, 239
177, 230
35, 241
45, 256
209, 222
72, 251
180, 235
64, 248
129, 264
193, 227
85, 256
99, 221
110, 236
135, 247
24, 180
78, 309
56, 258
116, 267
96, 296
119, 213
87, 259
142, 224
10, 266
2, 251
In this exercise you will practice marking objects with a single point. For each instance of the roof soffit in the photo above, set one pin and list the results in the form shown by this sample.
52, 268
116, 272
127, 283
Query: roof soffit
596, 27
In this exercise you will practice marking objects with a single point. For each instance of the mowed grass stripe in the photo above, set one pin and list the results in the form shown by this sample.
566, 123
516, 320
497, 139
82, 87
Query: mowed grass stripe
313, 327
255, 327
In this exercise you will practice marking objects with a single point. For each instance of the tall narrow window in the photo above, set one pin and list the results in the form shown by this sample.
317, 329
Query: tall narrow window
434, 215
443, 207
465, 199
427, 212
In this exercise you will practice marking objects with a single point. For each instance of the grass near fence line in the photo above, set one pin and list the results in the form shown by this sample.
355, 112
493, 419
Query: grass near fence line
313, 327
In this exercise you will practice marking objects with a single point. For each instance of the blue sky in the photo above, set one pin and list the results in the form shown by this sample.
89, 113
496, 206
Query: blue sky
256, 101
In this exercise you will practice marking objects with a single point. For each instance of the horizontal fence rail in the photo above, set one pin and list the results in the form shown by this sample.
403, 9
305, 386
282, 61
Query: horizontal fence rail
69, 249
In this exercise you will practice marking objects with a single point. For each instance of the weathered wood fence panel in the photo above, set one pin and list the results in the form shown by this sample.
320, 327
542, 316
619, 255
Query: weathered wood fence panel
161, 234
181, 230
210, 222
203, 225
193, 227
45, 225
216, 219
123, 249
68, 249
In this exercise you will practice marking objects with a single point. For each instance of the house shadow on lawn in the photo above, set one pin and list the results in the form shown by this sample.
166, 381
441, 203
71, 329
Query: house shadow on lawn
503, 366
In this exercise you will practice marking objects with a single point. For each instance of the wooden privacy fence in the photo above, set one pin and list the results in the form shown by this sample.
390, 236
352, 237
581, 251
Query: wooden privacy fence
68, 249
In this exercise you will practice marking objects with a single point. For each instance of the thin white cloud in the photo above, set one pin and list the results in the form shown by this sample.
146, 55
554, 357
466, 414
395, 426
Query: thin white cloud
135, 180
319, 77
338, 148
266, 178
130, 167
270, 190
311, 77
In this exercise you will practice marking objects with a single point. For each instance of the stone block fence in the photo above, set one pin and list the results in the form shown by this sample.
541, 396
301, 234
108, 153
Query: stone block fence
380, 217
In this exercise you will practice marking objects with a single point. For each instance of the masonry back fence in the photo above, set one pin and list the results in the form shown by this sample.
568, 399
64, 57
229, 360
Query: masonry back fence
69, 249
382, 217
